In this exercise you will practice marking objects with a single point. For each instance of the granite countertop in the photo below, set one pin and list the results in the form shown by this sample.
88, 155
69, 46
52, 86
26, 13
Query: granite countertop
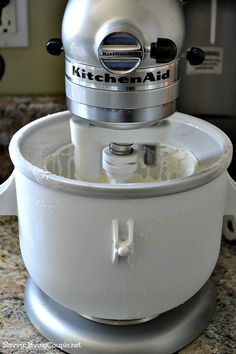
15, 328
15, 112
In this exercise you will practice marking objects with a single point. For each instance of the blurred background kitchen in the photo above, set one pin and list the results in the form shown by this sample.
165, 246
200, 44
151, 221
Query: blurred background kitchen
32, 84
208, 91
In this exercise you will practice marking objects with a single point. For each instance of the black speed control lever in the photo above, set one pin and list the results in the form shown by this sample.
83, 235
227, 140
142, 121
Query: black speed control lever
164, 50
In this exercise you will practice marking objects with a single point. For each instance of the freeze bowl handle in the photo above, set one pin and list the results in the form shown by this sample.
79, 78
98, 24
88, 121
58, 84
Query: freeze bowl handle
8, 203
229, 222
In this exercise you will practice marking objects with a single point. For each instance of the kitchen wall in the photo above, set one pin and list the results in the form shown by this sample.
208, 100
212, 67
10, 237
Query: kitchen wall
32, 70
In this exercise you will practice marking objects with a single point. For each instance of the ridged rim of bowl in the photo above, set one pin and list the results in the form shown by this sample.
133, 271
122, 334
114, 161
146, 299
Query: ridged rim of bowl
117, 191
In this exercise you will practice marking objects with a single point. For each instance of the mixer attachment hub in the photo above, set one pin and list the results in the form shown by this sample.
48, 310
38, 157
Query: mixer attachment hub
120, 164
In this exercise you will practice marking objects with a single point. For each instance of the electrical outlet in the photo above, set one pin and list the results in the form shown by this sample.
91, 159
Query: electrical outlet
8, 18
14, 25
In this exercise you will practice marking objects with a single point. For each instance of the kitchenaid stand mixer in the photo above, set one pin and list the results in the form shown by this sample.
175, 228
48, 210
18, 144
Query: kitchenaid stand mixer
124, 197
122, 74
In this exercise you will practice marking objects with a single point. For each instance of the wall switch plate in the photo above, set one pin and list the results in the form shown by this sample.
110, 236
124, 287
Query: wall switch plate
8, 18
14, 25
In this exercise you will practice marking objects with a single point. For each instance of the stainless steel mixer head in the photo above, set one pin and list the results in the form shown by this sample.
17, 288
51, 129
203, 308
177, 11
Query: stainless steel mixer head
122, 60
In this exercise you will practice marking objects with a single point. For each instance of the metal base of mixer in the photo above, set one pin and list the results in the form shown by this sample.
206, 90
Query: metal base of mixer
165, 334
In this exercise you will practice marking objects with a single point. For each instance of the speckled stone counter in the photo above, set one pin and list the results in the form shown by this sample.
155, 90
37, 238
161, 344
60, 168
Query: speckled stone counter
15, 112
16, 330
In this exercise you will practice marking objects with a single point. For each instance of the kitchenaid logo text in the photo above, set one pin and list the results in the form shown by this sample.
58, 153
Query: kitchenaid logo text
136, 54
149, 77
